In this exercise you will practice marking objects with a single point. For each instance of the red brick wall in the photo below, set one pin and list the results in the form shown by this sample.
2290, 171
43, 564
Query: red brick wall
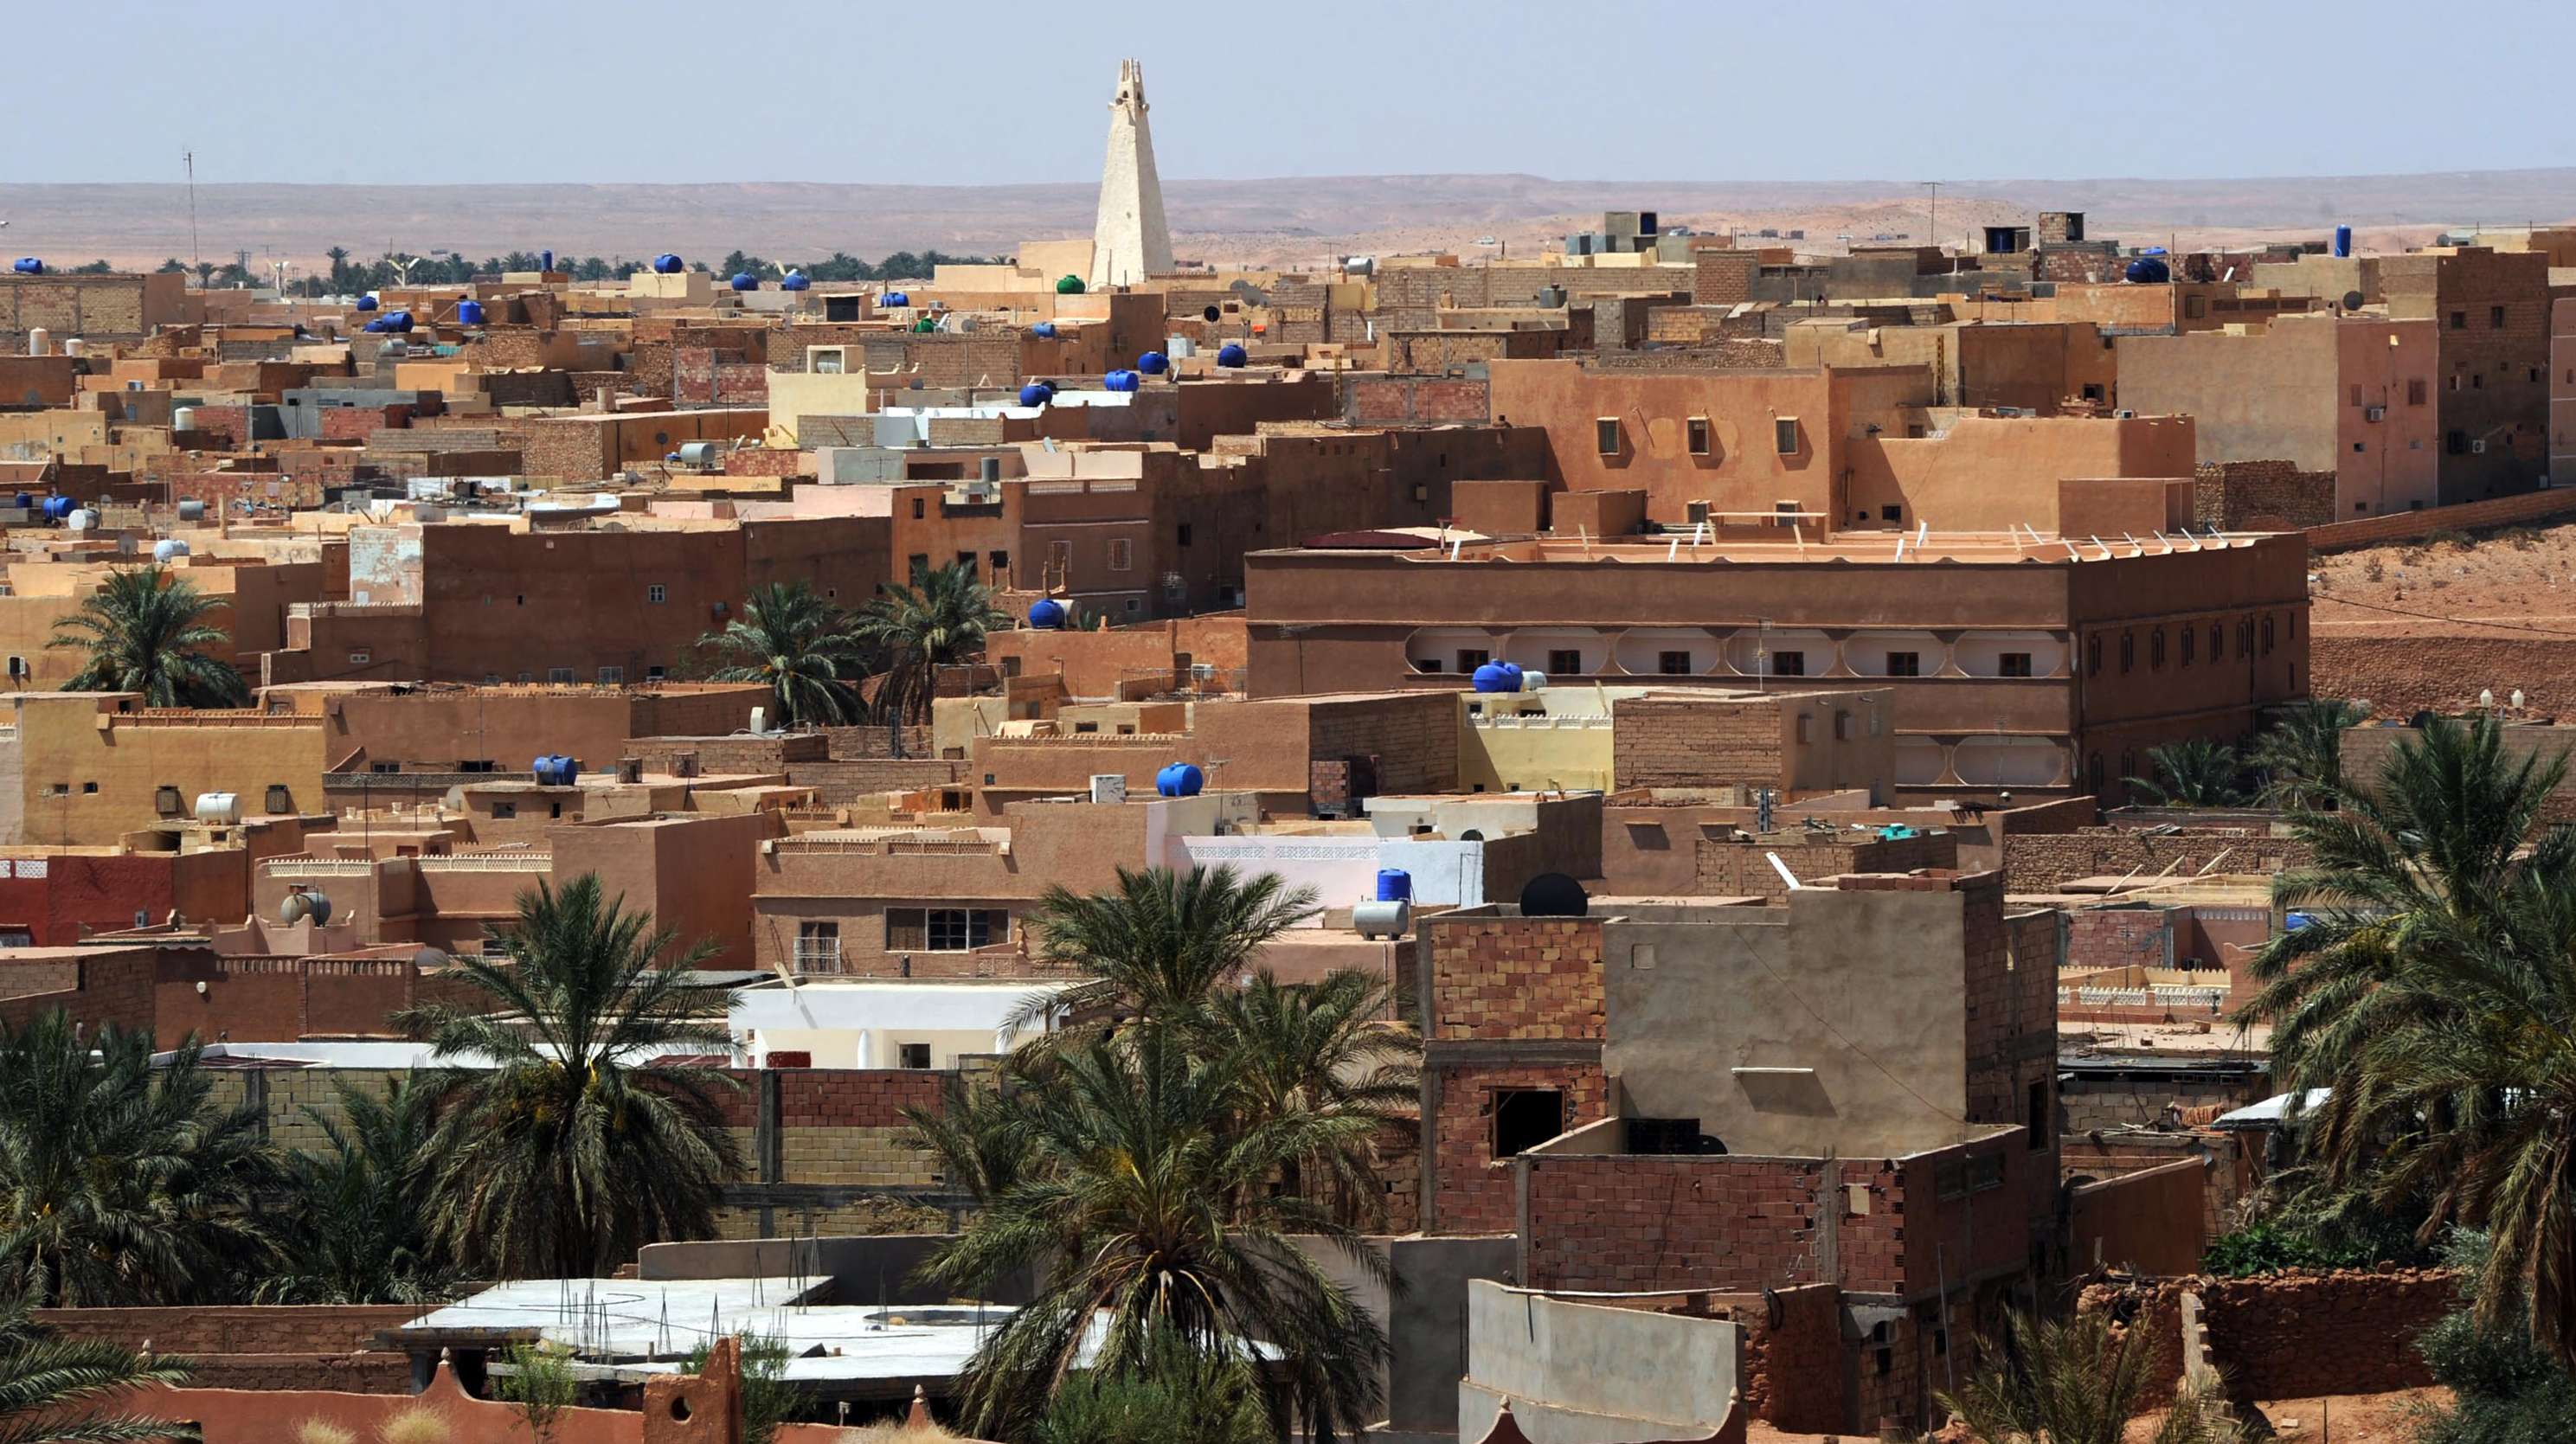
1628, 1223
854, 1098
1472, 1191
2296, 1334
1497, 977
236, 1329
2408, 525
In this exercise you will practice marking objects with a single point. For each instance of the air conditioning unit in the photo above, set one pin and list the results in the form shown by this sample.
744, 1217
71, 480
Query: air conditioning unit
2479, 446
2374, 413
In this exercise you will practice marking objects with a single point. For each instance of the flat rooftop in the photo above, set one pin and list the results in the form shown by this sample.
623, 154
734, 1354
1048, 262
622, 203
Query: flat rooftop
1869, 546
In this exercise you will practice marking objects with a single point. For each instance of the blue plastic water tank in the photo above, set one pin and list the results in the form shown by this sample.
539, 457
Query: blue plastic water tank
28, 266
794, 281
59, 507
1179, 779
26, 501
545, 260
398, 321
667, 264
469, 313
555, 770
1497, 677
1394, 884
1046, 614
1036, 393
894, 298
744, 281
1044, 330
1230, 354
367, 303
1122, 381
2149, 271
1153, 363
2343, 241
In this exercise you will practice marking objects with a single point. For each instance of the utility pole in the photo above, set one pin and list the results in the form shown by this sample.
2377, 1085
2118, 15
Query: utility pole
1934, 221
196, 253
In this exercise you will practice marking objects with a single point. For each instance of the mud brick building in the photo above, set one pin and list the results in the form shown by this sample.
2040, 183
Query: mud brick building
1851, 1089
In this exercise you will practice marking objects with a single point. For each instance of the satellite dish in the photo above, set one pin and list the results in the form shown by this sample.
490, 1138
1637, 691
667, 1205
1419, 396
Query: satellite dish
1554, 895
2352, 300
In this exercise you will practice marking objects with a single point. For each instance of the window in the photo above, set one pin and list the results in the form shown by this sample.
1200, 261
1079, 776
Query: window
2128, 651
1891, 513
612, 676
1788, 664
655, 674
2156, 648
945, 930
478, 764
2093, 655
1904, 664
2217, 643
1183, 534
17, 669
1524, 1118
503, 811
2195, 307
2267, 636
2190, 638
559, 676
2495, 317
919, 508
1605, 435
1784, 435
2459, 320
1121, 553
656, 594
818, 947
1426, 664
1673, 664
1842, 726
2478, 381
381, 768
1698, 431
89, 788
2013, 664
279, 799
1564, 662
2093, 770
827, 362
1469, 659
2415, 390
2456, 443
2357, 446
165, 801
912, 1055
359, 656
1806, 728
2356, 393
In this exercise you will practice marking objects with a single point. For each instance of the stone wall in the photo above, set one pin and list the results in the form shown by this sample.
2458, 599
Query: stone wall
239, 1329
2261, 495
2295, 1334
2043, 862
2408, 525
2401, 676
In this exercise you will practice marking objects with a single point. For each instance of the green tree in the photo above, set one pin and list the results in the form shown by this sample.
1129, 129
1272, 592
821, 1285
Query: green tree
1158, 945
121, 1184
55, 1390
2194, 772
171, 267
938, 621
542, 1385
2504, 1389
2078, 1383
358, 1232
571, 1149
1147, 1205
1329, 1049
1175, 1395
804, 649
2301, 755
767, 1397
980, 1138
145, 630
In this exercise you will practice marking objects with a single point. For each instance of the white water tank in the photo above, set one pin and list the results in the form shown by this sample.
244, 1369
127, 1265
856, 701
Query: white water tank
84, 520
218, 809
168, 549
1392, 919
40, 341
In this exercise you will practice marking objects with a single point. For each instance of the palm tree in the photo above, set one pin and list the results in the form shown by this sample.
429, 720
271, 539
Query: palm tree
2194, 772
2301, 756
62, 1391
799, 645
937, 621
1135, 1149
563, 1147
359, 1232
1327, 1049
121, 1184
2416, 866
980, 1138
1157, 945
145, 630
2077, 1383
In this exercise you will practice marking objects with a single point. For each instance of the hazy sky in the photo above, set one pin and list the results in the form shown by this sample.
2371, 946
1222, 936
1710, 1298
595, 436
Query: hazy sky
991, 91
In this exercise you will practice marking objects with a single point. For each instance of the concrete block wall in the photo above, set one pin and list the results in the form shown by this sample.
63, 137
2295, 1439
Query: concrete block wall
1630, 1223
1516, 978
1694, 742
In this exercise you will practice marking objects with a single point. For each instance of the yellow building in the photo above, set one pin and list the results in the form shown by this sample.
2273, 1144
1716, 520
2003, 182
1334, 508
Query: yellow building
87, 768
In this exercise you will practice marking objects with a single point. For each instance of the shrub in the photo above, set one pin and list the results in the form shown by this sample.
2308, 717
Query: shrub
2373, 570
323, 1431
2449, 537
418, 1425
895, 1431
541, 1384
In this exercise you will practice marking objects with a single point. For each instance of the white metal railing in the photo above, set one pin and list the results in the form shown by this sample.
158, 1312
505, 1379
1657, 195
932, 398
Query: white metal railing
489, 862
318, 867
818, 955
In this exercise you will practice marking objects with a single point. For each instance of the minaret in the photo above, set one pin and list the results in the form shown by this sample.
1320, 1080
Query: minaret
1129, 241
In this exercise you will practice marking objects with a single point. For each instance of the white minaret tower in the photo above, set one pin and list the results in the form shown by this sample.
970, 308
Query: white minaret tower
1130, 240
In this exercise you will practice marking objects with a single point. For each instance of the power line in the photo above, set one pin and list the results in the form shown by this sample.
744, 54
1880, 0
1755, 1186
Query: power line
2455, 621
